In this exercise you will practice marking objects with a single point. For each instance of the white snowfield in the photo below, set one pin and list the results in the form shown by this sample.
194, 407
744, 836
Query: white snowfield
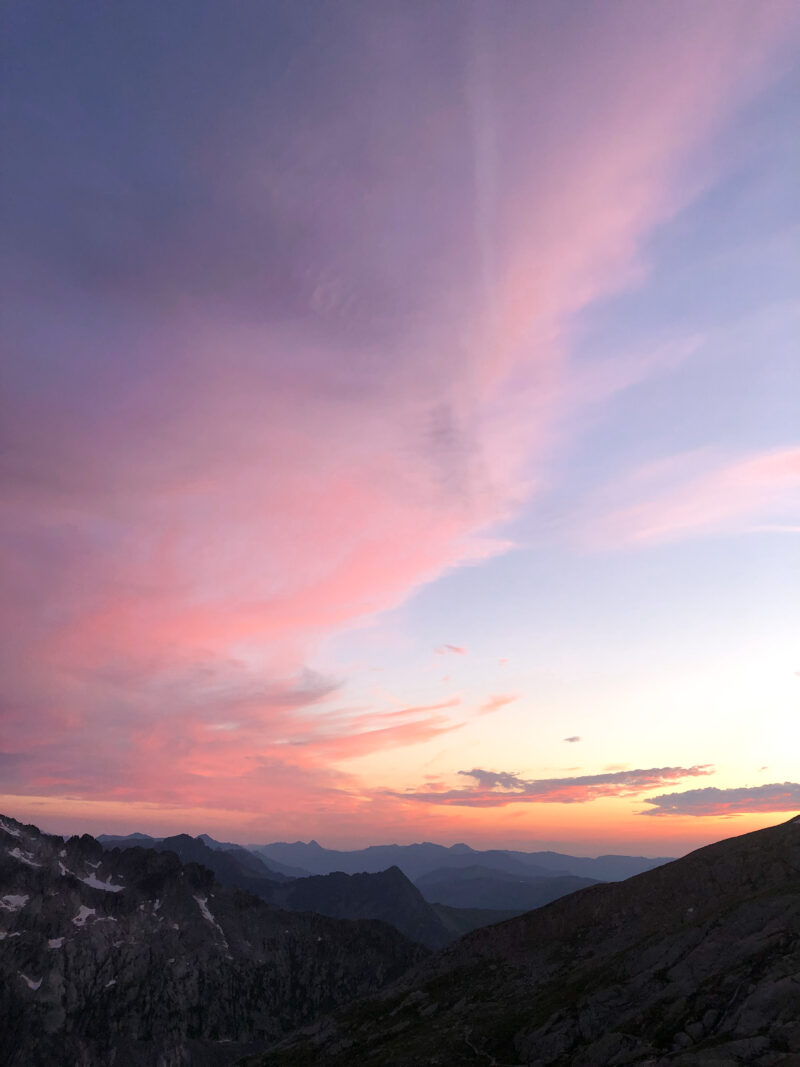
32, 983
203, 905
24, 857
9, 829
56, 942
83, 915
108, 885
14, 901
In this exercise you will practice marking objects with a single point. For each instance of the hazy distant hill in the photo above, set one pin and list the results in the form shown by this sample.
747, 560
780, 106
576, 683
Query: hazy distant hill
417, 860
694, 964
133, 958
485, 887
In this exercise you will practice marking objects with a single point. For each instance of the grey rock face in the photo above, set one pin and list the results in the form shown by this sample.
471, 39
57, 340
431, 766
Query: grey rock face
695, 964
130, 957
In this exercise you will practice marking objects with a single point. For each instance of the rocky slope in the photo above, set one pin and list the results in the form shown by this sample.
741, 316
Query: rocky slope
131, 958
693, 964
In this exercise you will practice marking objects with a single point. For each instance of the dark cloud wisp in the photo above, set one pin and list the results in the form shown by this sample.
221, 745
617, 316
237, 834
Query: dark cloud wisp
498, 788
749, 800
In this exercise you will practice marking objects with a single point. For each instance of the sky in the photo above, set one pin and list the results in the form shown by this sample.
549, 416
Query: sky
400, 433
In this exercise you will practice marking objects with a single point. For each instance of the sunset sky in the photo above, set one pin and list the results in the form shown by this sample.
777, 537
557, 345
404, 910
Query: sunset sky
401, 420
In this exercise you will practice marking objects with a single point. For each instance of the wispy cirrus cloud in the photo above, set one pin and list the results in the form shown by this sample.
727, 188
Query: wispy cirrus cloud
499, 788
748, 800
572, 740
700, 493
456, 650
494, 703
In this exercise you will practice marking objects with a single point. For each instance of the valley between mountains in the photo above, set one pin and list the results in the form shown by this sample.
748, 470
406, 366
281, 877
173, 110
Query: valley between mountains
143, 952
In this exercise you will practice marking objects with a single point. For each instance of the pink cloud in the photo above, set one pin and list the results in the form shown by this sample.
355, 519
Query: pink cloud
673, 500
457, 650
198, 487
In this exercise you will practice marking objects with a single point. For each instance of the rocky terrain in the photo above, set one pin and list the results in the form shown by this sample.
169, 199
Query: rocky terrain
693, 964
134, 959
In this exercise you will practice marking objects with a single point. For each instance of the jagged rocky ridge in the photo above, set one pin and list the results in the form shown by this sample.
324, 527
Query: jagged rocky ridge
693, 964
132, 958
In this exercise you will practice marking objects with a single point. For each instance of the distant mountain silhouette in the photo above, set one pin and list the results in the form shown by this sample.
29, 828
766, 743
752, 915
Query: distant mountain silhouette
243, 858
693, 964
417, 860
485, 887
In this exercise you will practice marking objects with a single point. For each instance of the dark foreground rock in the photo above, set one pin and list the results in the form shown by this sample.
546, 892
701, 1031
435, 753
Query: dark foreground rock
693, 964
133, 959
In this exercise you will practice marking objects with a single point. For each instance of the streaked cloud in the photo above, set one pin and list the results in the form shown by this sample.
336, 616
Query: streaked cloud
456, 650
494, 703
700, 494
712, 801
573, 739
499, 788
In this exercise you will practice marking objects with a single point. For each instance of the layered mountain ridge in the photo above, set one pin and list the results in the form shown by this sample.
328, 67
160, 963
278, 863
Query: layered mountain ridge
385, 895
420, 859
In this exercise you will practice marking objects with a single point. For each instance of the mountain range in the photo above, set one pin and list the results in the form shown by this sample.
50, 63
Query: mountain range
131, 956
433, 913
420, 859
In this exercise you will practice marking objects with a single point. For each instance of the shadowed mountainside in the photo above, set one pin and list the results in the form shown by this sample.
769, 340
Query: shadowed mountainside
693, 964
485, 887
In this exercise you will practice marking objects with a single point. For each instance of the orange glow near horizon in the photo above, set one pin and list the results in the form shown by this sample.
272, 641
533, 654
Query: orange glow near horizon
586, 833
